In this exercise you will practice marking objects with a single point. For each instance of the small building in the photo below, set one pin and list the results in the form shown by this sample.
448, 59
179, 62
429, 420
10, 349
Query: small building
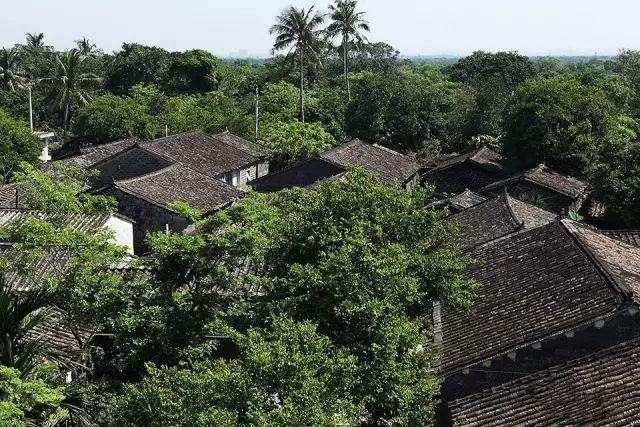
544, 187
223, 156
452, 174
46, 138
148, 198
392, 167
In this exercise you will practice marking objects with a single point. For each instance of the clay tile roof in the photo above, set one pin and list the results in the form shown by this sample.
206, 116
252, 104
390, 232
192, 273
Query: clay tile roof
76, 221
91, 156
630, 237
201, 152
12, 197
302, 174
496, 218
483, 156
465, 200
178, 182
546, 177
602, 388
240, 143
393, 167
618, 259
533, 285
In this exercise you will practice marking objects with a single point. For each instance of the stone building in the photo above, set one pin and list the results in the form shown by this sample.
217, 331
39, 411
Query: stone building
392, 167
148, 199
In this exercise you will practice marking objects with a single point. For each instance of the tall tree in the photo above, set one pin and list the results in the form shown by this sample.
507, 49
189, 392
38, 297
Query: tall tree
9, 73
72, 81
35, 40
348, 23
299, 30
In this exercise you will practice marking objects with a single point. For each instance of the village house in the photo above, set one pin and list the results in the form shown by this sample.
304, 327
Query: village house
207, 172
454, 173
543, 186
392, 167
149, 198
547, 296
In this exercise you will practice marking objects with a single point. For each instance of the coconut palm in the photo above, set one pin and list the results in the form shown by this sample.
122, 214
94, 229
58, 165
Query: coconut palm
85, 46
299, 30
35, 40
72, 81
9, 75
349, 24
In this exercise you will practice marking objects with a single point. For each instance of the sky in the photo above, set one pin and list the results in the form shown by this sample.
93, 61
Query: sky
414, 27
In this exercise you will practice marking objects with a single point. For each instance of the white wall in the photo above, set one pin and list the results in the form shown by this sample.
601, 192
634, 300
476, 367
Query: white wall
122, 230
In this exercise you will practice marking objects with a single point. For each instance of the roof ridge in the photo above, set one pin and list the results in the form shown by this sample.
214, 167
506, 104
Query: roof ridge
508, 201
147, 175
571, 229
561, 366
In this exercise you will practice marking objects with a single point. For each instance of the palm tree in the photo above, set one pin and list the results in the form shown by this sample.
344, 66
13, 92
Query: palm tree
300, 30
85, 46
21, 314
348, 23
72, 82
35, 40
9, 76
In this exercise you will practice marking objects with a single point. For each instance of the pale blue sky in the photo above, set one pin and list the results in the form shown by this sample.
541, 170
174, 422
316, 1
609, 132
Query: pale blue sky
413, 26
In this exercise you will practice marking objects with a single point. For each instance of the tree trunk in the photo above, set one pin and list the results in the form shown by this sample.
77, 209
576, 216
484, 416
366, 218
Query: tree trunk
66, 118
345, 44
302, 83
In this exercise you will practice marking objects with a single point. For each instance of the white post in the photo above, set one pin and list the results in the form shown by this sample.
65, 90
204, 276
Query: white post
30, 108
257, 110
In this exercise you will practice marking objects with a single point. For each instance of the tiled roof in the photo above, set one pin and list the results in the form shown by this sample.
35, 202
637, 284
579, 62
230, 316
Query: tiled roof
496, 218
240, 143
77, 221
201, 152
91, 156
534, 285
618, 259
302, 174
393, 167
482, 156
548, 178
600, 389
465, 200
630, 237
12, 197
178, 182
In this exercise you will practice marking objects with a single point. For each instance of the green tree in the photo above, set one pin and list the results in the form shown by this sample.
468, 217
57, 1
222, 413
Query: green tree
494, 77
72, 82
561, 122
9, 69
137, 64
293, 141
406, 110
110, 117
278, 102
33, 399
17, 144
193, 71
300, 30
364, 262
349, 24
286, 374
628, 64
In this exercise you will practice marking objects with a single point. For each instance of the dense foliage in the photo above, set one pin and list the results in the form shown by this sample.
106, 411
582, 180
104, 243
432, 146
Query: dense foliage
297, 308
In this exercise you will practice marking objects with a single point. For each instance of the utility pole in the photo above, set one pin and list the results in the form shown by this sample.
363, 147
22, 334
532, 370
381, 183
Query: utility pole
257, 110
30, 107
